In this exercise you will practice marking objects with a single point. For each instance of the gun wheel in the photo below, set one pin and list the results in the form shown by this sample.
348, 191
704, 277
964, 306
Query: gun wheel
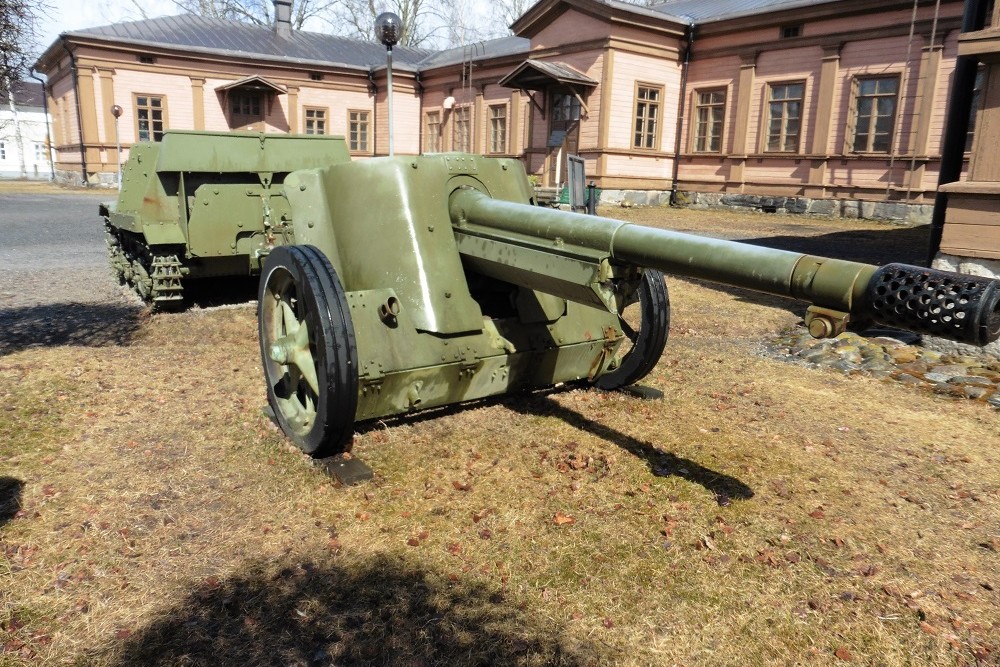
308, 350
645, 321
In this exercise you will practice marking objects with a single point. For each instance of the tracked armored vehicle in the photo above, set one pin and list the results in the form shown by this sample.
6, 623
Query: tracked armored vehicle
204, 205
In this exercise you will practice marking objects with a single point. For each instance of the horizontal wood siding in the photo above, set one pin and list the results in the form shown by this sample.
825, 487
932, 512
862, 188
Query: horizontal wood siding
785, 66
858, 173
176, 89
777, 171
972, 226
630, 69
65, 129
336, 102
639, 166
941, 91
570, 27
711, 74
883, 57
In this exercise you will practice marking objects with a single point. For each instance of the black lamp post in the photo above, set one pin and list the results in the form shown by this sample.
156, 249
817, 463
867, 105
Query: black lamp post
116, 111
388, 30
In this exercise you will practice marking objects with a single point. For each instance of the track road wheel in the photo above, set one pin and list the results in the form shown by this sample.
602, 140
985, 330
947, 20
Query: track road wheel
645, 321
308, 349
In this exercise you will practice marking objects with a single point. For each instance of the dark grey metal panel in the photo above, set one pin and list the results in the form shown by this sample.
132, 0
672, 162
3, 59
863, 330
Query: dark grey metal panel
490, 48
224, 37
717, 10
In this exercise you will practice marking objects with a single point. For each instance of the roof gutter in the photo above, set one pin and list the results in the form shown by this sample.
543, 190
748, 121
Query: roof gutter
48, 128
680, 114
79, 112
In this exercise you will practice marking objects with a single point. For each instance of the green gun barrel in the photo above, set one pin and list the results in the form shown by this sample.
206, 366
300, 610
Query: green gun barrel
957, 306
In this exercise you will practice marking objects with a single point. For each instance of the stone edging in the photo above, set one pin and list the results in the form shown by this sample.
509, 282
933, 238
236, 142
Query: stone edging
895, 357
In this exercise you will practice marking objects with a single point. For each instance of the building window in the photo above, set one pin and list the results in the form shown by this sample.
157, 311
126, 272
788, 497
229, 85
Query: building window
565, 108
3, 151
315, 76
357, 125
432, 132
977, 101
461, 139
498, 128
874, 114
149, 117
40, 155
315, 121
784, 117
647, 116
789, 31
147, 60
246, 105
710, 112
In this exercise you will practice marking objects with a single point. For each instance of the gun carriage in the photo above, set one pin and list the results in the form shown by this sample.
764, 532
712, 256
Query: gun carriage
402, 283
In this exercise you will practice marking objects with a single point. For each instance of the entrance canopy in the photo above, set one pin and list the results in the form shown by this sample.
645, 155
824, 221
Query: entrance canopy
256, 84
542, 74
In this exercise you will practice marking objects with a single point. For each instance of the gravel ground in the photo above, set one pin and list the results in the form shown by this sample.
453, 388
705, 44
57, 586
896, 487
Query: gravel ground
55, 285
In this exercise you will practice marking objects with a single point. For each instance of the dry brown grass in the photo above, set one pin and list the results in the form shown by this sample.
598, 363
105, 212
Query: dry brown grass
17, 186
761, 513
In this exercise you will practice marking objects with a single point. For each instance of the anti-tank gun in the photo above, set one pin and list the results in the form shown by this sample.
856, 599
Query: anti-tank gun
416, 282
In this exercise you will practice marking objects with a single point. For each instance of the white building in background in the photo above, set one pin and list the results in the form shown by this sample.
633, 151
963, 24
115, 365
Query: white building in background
24, 145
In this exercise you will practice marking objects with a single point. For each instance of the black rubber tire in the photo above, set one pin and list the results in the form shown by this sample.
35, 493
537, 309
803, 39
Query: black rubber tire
649, 341
305, 273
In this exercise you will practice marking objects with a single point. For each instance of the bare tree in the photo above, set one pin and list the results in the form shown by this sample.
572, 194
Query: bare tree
509, 11
356, 18
19, 23
258, 12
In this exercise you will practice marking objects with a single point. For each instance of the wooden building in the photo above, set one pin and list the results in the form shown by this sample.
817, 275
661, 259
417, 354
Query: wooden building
827, 106
970, 239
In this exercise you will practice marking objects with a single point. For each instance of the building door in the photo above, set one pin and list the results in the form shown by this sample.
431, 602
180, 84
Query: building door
246, 110
564, 134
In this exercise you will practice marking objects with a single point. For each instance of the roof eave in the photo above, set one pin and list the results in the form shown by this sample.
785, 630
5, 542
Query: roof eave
750, 19
544, 12
98, 40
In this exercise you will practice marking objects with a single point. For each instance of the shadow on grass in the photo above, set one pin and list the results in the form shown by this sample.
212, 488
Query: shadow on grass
82, 324
379, 612
10, 498
872, 246
220, 291
662, 464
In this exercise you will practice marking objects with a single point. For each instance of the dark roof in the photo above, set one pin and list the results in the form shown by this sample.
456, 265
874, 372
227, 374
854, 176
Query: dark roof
537, 74
718, 10
26, 94
490, 48
202, 34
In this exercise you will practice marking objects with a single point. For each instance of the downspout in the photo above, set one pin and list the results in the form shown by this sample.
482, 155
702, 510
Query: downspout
79, 112
680, 114
48, 129
956, 126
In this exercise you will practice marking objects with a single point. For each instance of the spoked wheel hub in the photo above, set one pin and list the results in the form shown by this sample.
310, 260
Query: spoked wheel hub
308, 349
645, 321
